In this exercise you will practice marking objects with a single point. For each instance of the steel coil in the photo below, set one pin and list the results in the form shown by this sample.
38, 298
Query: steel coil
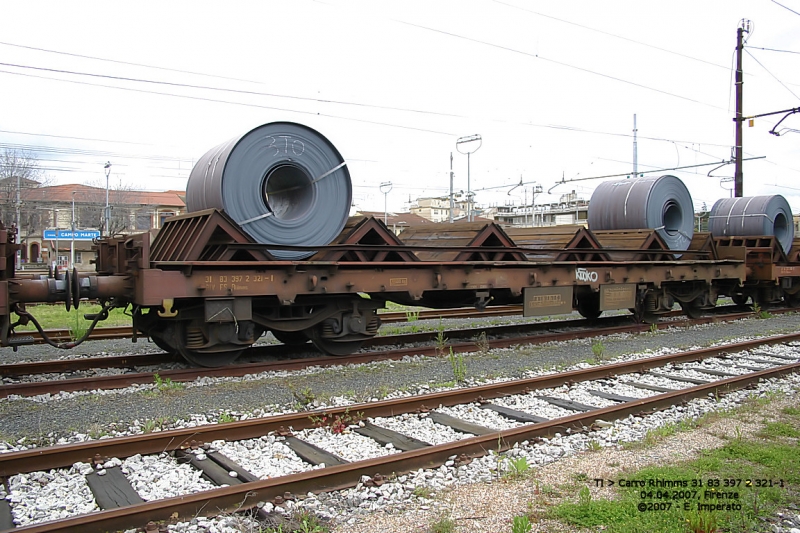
283, 183
753, 216
662, 203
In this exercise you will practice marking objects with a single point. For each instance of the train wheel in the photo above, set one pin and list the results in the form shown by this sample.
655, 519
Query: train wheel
290, 338
189, 335
161, 343
589, 306
739, 299
792, 300
332, 347
692, 309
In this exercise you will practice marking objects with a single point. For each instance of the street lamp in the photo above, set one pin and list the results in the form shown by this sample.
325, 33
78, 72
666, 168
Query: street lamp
72, 244
55, 223
459, 142
386, 188
107, 167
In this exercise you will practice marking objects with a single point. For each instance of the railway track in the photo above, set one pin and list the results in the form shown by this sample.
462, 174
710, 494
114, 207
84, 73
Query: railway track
392, 317
661, 382
490, 337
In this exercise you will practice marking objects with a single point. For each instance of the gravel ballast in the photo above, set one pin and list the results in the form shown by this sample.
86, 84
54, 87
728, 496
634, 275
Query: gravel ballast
71, 417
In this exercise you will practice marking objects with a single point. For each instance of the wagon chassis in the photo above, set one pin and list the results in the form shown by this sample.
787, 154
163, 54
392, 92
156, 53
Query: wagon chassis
203, 289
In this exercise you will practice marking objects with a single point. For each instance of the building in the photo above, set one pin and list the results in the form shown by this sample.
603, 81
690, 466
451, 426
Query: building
437, 209
49, 214
396, 222
568, 210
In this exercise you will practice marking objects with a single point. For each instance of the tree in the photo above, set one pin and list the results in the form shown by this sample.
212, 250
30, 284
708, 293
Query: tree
120, 199
19, 170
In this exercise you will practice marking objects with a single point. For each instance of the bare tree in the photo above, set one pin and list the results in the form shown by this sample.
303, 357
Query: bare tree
120, 199
19, 171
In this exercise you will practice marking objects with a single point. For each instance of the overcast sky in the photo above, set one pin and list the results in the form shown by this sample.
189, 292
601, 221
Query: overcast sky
551, 86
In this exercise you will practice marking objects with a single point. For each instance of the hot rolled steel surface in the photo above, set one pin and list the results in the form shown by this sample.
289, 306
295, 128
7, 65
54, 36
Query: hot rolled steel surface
283, 183
753, 216
662, 203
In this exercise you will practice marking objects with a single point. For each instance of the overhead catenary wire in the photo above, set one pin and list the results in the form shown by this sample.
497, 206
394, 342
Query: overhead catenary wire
771, 74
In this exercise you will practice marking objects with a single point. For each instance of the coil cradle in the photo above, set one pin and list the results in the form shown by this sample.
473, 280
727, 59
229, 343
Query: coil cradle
753, 216
283, 183
660, 203
663, 204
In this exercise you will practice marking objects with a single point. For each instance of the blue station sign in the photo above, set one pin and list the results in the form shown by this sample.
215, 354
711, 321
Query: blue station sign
67, 235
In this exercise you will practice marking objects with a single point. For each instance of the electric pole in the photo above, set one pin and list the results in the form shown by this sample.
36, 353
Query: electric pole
452, 204
738, 176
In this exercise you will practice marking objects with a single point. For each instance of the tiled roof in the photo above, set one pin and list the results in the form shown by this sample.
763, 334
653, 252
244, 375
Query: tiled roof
86, 194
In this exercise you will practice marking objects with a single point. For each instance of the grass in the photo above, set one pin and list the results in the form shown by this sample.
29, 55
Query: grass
517, 468
57, 317
443, 524
166, 384
598, 349
763, 471
458, 365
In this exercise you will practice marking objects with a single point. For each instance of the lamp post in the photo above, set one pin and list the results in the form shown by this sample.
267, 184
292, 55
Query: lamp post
386, 188
55, 223
107, 167
72, 244
464, 140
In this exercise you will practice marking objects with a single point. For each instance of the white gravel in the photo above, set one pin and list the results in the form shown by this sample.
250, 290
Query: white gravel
347, 445
53, 495
265, 457
156, 477
420, 427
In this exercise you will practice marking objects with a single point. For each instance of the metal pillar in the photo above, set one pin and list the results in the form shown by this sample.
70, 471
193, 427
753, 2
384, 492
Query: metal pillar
107, 168
738, 176
459, 142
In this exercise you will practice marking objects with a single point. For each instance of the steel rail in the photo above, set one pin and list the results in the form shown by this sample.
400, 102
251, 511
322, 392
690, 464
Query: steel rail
119, 381
246, 495
391, 317
68, 365
67, 454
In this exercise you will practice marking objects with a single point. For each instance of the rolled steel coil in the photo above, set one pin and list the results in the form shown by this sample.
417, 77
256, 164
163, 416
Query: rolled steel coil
662, 203
283, 183
753, 216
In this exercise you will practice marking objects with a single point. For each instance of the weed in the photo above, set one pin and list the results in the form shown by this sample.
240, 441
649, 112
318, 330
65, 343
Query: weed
443, 524
482, 342
702, 522
654, 329
517, 468
96, 431
521, 524
441, 340
598, 350
78, 327
760, 313
337, 423
594, 446
792, 411
166, 384
412, 316
150, 426
458, 365
304, 397
225, 418
581, 476
309, 523
584, 496
779, 429
422, 491
382, 392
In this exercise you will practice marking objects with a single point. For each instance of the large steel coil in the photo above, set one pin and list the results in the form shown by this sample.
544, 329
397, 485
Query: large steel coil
283, 183
663, 204
753, 216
